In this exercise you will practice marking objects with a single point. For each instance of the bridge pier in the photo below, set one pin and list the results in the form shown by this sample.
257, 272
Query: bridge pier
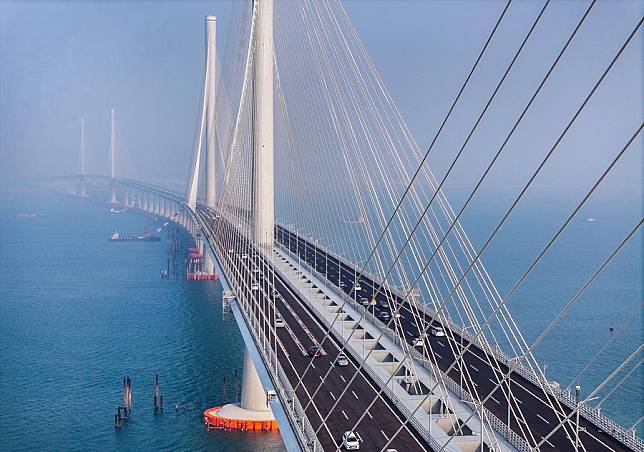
113, 199
253, 411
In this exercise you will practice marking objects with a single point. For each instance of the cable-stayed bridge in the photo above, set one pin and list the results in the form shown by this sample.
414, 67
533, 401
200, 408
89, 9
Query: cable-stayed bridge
405, 341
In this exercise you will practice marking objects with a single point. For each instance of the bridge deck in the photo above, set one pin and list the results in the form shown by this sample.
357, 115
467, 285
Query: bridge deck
304, 330
539, 417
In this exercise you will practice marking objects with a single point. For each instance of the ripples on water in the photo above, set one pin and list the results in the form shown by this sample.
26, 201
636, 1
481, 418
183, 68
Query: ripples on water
77, 313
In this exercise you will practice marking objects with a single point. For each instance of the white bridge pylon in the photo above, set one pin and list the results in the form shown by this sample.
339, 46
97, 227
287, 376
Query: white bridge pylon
207, 122
253, 405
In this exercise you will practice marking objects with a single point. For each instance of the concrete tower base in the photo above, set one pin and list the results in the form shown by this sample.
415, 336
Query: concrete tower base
252, 413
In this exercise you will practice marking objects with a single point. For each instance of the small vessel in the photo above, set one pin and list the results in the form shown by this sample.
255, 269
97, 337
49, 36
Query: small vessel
146, 237
590, 220
115, 210
30, 215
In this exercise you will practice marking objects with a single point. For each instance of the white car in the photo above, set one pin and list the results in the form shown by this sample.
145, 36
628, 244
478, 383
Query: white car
350, 441
254, 287
342, 360
418, 341
279, 322
437, 331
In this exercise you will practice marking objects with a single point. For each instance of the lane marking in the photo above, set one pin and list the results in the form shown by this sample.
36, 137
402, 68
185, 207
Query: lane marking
343, 378
543, 418
440, 343
332, 395
354, 394
548, 441
383, 434
474, 368
345, 415
369, 414
438, 355
358, 435
495, 400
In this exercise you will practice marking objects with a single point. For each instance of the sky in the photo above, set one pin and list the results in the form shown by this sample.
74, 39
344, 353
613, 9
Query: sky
60, 61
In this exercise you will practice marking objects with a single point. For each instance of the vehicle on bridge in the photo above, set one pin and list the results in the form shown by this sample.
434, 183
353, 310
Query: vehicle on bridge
437, 331
350, 441
342, 360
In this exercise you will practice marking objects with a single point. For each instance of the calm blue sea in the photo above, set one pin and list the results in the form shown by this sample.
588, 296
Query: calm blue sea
78, 313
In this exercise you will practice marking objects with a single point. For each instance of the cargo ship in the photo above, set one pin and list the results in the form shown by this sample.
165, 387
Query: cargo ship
146, 237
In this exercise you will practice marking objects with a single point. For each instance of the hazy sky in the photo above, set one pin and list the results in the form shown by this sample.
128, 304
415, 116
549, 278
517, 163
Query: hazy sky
63, 60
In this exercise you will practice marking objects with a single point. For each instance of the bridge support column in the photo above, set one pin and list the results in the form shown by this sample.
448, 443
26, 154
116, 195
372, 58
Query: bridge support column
263, 202
208, 264
211, 47
126, 198
252, 410
81, 189
113, 199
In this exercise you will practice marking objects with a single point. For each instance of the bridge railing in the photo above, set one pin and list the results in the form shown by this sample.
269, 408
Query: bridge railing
617, 431
299, 421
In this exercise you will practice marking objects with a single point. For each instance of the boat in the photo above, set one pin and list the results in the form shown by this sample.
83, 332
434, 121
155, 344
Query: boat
146, 237
30, 215
590, 220
115, 210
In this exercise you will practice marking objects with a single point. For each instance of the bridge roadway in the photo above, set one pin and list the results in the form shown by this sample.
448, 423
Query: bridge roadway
304, 330
538, 415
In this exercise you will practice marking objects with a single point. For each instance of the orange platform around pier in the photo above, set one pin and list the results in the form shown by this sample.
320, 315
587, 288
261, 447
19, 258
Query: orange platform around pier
212, 420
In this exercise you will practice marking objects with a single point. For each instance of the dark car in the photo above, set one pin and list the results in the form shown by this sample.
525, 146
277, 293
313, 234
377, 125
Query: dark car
315, 351
384, 315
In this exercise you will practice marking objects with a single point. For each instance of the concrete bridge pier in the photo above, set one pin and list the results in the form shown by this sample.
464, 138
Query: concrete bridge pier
126, 198
113, 197
253, 407
208, 264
